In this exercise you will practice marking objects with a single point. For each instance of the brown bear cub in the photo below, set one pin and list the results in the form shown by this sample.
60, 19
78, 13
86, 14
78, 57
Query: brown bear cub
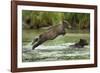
79, 44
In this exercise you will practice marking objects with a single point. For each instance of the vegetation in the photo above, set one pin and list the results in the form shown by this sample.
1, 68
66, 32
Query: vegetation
38, 19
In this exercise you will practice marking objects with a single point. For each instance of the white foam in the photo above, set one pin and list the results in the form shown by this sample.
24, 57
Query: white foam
28, 47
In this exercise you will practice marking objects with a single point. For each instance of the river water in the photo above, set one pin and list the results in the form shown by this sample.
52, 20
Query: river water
54, 52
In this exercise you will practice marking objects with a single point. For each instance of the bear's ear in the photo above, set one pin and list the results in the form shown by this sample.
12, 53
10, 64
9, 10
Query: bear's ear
66, 24
81, 40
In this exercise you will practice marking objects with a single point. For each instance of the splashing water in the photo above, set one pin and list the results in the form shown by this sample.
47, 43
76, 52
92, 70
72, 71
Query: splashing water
54, 52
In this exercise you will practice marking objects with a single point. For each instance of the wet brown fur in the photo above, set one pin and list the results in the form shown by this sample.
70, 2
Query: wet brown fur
51, 34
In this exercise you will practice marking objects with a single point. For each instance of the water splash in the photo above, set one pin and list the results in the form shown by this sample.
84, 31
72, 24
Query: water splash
47, 47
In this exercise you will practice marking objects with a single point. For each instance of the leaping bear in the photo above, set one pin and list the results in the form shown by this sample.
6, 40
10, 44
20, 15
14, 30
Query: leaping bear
51, 34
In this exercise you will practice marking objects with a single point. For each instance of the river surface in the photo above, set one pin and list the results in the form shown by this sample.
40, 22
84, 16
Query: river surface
54, 50
54, 53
